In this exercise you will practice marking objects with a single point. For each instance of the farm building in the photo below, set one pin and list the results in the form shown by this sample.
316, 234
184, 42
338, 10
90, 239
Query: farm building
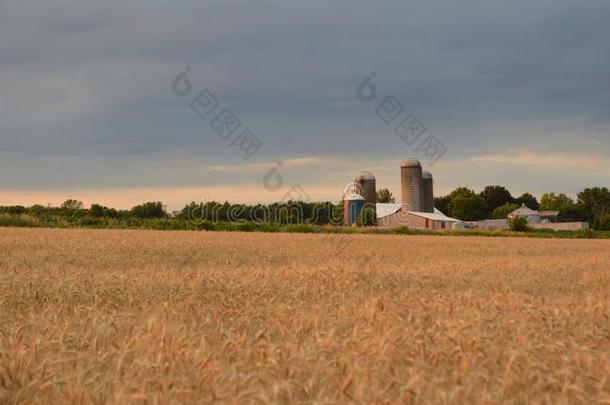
533, 216
535, 220
394, 215
416, 209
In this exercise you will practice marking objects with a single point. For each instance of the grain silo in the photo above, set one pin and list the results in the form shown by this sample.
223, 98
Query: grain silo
428, 189
366, 184
411, 185
352, 206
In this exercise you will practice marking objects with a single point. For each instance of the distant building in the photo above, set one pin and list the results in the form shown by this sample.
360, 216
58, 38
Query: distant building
533, 216
535, 220
416, 209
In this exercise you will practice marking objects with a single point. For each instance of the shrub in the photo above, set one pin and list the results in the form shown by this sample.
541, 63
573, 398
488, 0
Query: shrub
23, 221
301, 228
367, 217
518, 224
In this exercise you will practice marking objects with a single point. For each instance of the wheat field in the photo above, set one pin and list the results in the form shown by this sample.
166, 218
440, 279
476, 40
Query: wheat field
108, 316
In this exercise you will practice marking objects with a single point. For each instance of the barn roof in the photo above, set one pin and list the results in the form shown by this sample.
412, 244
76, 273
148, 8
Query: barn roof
383, 210
435, 216
524, 210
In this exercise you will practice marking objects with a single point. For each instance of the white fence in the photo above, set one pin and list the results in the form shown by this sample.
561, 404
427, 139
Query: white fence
562, 226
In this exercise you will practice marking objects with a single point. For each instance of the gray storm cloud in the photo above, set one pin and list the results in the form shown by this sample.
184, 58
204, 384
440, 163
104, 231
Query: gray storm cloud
86, 84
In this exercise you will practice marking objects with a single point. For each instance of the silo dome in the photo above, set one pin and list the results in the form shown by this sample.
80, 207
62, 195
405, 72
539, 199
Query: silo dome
352, 196
428, 192
411, 185
411, 162
366, 176
367, 186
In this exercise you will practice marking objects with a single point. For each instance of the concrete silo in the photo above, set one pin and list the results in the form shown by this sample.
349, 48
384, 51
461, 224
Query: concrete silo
352, 206
411, 185
428, 189
367, 186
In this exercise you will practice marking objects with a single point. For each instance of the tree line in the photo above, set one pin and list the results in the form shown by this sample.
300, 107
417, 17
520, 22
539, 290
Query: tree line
591, 205
496, 202
290, 212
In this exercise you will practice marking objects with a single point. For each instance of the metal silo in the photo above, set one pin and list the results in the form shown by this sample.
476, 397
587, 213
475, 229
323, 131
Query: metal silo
411, 185
428, 189
352, 206
366, 183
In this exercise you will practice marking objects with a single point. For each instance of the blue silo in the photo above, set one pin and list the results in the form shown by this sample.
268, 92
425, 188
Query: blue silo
352, 206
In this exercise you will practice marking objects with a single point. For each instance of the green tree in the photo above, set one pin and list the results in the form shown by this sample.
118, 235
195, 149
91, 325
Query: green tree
496, 196
367, 217
568, 209
96, 210
606, 223
384, 196
555, 202
99, 211
149, 210
38, 210
529, 200
72, 205
503, 211
442, 204
575, 212
321, 213
466, 205
460, 191
596, 203
15, 210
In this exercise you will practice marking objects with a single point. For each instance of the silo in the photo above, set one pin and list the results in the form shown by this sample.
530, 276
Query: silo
428, 189
366, 183
411, 185
352, 206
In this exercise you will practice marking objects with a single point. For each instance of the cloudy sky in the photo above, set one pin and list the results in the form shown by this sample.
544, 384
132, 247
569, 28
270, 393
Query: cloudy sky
517, 93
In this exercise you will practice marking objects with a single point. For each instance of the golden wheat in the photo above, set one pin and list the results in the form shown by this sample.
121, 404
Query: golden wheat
193, 317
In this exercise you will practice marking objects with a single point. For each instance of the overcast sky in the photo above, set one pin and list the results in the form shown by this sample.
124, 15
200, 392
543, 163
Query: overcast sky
517, 93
